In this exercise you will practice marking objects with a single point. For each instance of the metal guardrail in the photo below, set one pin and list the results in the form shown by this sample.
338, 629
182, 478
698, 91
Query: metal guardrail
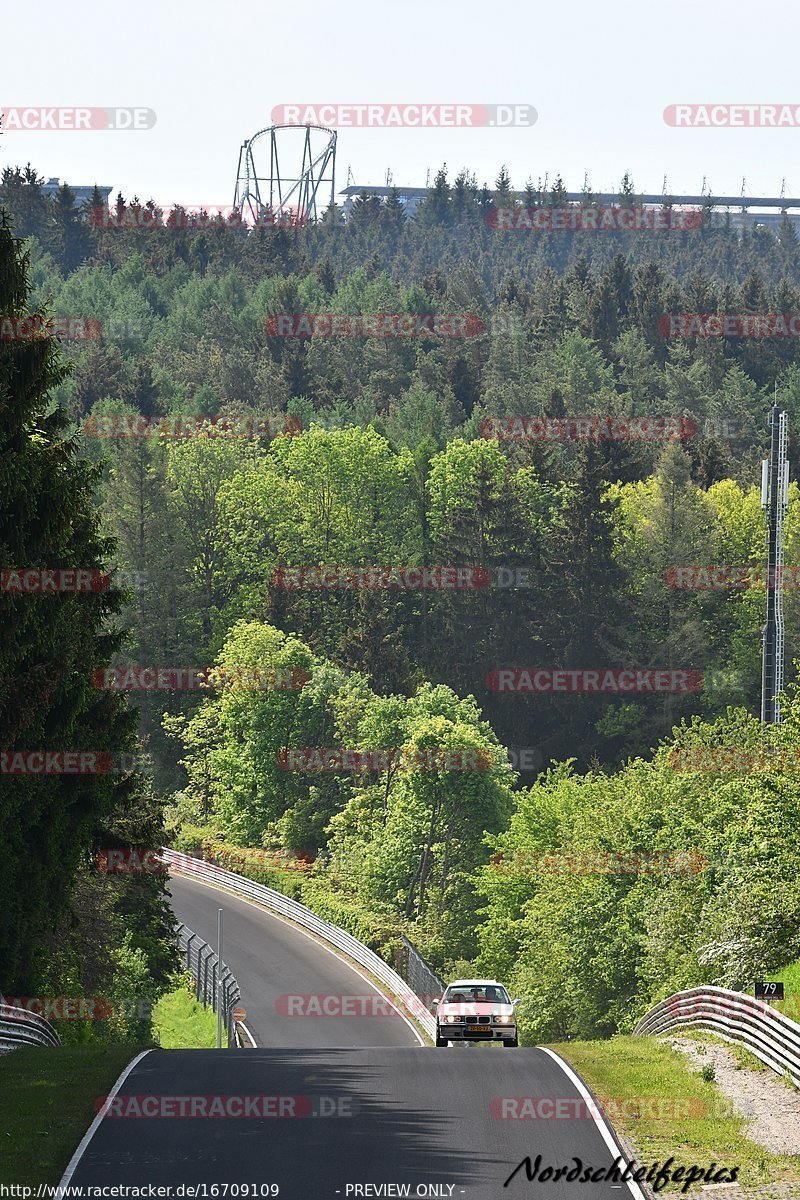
734, 1016
204, 965
19, 1027
276, 902
419, 974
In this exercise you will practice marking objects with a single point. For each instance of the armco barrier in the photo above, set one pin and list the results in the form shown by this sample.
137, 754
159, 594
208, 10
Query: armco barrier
736, 1017
203, 964
18, 1027
418, 973
276, 902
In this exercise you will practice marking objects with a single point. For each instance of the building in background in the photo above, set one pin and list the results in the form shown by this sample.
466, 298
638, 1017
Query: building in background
744, 210
83, 192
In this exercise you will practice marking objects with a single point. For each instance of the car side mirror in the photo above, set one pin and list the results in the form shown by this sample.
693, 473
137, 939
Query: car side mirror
517, 1001
437, 1000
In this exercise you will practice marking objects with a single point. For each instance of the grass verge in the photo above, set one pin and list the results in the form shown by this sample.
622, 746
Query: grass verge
790, 978
180, 1022
666, 1109
47, 1100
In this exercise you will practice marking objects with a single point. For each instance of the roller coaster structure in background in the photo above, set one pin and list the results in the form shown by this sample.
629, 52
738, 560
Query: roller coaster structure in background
264, 187
294, 196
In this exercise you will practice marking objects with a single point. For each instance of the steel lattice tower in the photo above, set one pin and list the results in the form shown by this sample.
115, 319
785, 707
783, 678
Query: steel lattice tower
775, 499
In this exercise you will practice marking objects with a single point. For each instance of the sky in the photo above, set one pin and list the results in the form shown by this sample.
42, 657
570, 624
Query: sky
599, 75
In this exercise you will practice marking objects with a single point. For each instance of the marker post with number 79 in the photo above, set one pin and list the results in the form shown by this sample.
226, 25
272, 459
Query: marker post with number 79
769, 991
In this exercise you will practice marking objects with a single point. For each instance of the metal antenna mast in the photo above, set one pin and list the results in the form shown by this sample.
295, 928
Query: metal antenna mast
775, 499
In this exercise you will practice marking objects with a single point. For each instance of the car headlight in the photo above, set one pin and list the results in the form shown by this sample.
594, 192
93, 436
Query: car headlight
450, 1019
503, 1020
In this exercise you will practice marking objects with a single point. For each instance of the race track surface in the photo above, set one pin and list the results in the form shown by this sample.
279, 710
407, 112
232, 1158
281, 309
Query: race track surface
423, 1118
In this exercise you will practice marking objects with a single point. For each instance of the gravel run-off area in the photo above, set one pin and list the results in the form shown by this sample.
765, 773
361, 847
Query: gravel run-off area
771, 1107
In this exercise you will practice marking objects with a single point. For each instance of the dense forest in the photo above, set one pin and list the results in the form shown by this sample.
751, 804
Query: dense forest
242, 478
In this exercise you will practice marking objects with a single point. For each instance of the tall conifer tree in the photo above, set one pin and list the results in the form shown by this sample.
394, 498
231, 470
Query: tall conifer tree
50, 643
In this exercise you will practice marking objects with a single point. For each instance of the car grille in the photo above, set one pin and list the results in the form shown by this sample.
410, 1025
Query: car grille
466, 1020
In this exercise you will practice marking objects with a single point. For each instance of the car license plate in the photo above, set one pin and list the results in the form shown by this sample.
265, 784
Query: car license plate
479, 1029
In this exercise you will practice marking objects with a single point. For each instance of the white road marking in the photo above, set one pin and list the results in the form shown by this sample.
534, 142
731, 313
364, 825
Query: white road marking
605, 1130
95, 1125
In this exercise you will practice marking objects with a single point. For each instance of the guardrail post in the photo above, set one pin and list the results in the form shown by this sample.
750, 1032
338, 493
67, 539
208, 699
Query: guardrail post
201, 963
219, 983
188, 951
202, 987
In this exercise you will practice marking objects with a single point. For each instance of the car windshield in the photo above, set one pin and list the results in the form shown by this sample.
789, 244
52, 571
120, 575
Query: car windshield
488, 993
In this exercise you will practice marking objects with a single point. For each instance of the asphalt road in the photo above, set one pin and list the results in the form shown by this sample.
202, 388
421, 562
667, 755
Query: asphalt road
422, 1117
336, 1106
282, 973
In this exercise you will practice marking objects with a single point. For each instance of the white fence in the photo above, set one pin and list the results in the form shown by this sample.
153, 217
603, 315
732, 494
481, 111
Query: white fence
736, 1017
18, 1027
276, 902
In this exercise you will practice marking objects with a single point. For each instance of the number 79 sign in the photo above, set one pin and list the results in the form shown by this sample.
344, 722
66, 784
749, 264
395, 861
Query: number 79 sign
769, 991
